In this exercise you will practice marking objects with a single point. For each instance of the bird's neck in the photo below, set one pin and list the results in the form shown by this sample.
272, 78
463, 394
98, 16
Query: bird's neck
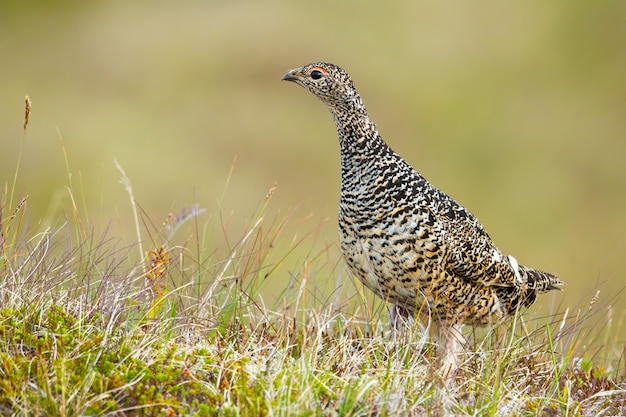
358, 135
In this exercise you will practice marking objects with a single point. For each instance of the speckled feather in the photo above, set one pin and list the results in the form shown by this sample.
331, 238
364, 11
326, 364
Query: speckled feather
407, 241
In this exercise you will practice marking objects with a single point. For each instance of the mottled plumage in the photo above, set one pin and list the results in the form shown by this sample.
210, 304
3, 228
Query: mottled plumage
404, 239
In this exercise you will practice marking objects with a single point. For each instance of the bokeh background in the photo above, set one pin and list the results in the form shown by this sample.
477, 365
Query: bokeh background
516, 109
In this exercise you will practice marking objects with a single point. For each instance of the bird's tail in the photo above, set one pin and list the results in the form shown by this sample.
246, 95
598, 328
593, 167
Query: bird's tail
537, 282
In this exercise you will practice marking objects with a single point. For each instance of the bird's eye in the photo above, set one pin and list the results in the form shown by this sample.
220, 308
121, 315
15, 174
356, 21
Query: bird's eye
316, 74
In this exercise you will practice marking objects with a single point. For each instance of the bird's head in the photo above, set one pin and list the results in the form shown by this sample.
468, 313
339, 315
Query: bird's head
329, 83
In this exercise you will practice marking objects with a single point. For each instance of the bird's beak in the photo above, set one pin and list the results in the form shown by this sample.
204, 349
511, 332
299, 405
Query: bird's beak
291, 76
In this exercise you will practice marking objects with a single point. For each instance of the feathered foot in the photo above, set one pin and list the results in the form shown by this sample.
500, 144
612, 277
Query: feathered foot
452, 344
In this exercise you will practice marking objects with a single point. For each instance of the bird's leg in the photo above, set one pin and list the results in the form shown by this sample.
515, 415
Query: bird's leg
452, 342
399, 318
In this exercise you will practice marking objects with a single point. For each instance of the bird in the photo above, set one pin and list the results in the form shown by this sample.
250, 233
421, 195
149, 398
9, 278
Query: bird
411, 244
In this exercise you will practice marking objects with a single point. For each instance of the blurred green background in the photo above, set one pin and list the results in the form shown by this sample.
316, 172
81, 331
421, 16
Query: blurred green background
516, 109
